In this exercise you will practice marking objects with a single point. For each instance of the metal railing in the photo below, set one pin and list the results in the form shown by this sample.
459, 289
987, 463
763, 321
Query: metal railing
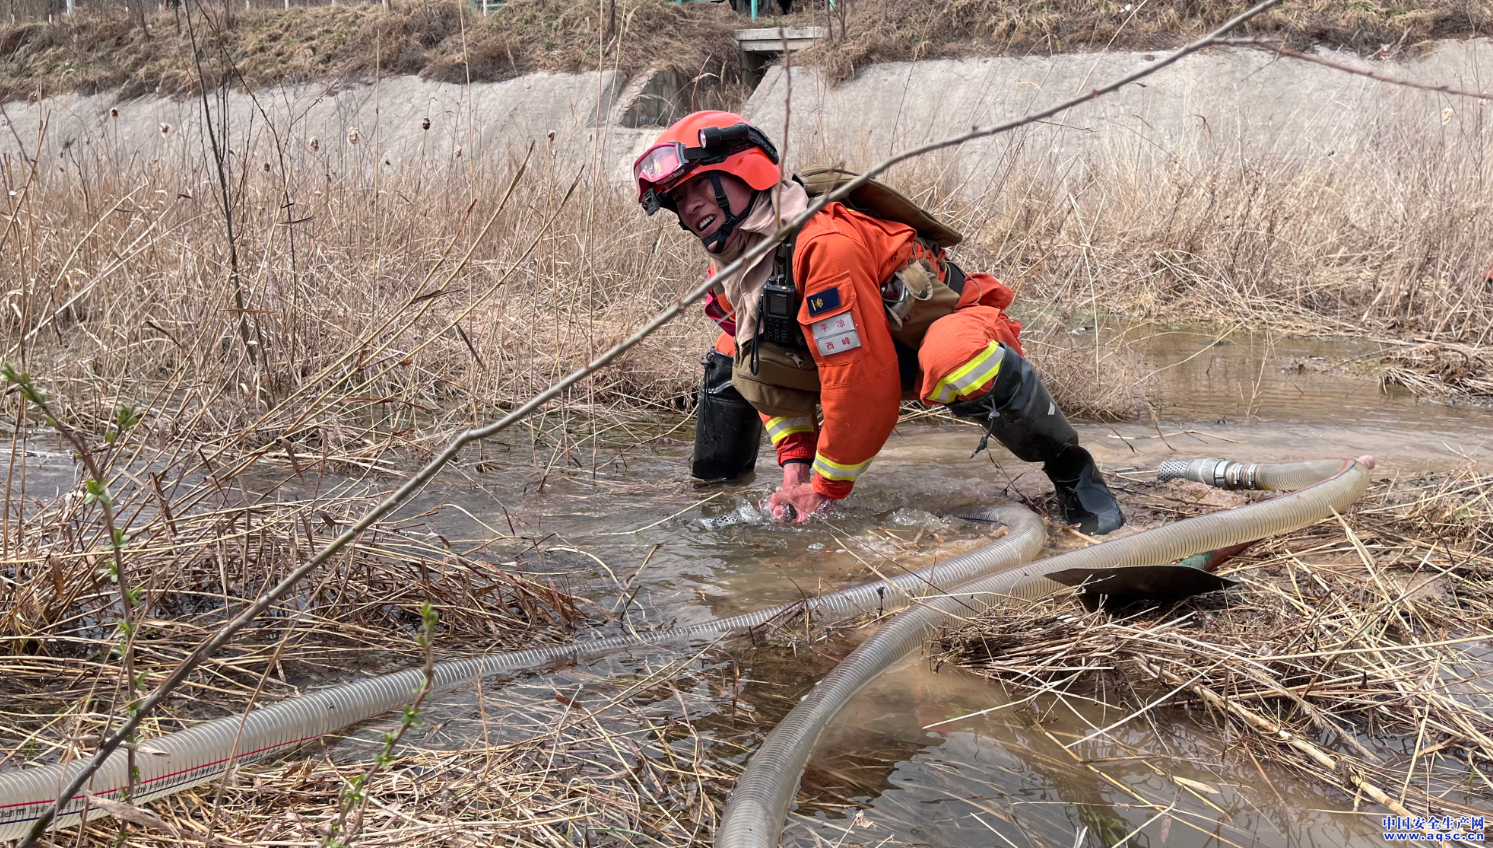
739, 4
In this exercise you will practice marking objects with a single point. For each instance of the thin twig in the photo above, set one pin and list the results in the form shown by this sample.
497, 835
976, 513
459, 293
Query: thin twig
1272, 47
427, 472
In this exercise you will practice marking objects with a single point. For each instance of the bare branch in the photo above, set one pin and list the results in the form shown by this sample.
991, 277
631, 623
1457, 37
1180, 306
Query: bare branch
423, 476
1349, 69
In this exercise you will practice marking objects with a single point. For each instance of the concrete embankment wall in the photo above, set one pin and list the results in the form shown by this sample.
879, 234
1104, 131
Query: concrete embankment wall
399, 125
1235, 100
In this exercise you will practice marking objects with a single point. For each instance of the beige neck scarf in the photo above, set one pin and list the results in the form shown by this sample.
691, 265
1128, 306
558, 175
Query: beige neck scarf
744, 288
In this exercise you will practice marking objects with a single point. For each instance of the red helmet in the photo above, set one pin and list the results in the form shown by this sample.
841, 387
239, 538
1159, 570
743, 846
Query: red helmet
697, 144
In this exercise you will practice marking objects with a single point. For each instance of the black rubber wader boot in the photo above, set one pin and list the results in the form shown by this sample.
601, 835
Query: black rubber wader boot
1020, 414
727, 428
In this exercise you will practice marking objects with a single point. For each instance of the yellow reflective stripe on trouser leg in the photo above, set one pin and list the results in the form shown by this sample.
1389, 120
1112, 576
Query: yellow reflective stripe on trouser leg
970, 376
831, 470
781, 428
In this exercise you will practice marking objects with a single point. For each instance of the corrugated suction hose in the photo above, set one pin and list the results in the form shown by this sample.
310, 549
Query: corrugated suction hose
759, 804
203, 752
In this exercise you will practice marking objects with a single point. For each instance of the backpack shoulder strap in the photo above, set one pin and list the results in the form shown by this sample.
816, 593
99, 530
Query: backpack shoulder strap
879, 200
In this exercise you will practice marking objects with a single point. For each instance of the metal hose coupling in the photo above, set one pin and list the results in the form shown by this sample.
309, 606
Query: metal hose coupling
1220, 473
1227, 474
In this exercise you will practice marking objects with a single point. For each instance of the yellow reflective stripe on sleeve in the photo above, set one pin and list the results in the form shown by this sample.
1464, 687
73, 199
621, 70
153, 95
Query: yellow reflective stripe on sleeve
781, 428
970, 376
831, 470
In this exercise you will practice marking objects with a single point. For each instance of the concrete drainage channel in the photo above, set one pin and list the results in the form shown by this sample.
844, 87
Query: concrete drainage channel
1208, 103
756, 811
660, 96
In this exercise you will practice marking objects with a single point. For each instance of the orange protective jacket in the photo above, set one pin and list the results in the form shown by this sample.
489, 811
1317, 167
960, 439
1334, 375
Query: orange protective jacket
840, 260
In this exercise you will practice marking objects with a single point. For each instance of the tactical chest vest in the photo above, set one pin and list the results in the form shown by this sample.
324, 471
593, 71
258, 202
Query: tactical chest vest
776, 371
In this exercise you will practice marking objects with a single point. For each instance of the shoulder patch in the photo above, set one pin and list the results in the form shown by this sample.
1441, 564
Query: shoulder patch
836, 334
822, 302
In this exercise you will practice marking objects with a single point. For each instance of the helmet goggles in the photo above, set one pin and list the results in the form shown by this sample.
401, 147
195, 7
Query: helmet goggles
663, 166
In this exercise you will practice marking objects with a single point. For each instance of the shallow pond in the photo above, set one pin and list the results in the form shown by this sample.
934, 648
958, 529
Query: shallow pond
908, 762
903, 762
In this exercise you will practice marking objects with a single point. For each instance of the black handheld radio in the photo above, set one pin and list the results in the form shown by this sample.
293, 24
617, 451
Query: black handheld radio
778, 320
777, 313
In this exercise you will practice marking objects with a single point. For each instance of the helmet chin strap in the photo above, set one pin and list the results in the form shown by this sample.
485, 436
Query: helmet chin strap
716, 241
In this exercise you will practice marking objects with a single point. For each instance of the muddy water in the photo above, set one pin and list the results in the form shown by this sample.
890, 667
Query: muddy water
908, 762
1241, 376
922, 757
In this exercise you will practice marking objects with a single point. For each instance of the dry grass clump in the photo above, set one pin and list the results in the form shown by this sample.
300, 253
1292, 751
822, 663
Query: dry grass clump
201, 558
1087, 379
1461, 372
94, 51
388, 307
1376, 224
1388, 243
606, 762
1351, 651
97, 50
904, 30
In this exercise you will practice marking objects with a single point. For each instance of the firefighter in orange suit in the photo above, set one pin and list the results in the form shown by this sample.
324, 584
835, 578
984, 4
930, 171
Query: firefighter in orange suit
829, 332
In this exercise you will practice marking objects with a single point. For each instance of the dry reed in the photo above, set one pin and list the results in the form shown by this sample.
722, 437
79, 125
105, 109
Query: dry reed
204, 555
100, 49
1350, 651
1452, 371
354, 350
1386, 237
116, 293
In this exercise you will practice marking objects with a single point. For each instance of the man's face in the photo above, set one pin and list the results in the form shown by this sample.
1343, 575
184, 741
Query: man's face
696, 203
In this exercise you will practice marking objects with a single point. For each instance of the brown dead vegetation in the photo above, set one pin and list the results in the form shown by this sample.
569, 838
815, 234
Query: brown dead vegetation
1448, 371
1107, 384
95, 51
1349, 651
99, 51
368, 340
202, 560
907, 30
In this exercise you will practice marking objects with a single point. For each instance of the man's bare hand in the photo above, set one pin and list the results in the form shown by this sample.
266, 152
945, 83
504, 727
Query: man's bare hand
796, 502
